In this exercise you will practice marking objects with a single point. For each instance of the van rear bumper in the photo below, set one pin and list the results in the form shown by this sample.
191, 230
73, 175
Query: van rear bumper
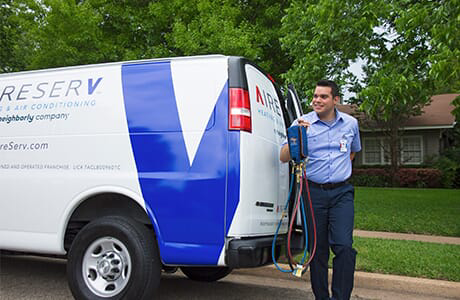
252, 252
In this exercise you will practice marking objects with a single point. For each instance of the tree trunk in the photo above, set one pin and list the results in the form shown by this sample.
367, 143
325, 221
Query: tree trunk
395, 153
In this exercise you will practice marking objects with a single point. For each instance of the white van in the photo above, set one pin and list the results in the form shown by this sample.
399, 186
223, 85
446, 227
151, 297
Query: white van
127, 168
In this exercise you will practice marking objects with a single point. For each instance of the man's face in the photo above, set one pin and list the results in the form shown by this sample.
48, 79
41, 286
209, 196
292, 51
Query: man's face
323, 103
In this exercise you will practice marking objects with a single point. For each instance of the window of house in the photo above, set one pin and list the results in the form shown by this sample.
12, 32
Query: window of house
376, 150
411, 150
372, 151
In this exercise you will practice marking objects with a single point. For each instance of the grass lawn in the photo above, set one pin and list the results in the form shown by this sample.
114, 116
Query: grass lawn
408, 258
422, 211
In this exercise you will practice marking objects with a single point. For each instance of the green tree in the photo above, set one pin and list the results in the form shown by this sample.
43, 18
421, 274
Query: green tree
92, 31
405, 45
244, 28
443, 19
70, 35
17, 18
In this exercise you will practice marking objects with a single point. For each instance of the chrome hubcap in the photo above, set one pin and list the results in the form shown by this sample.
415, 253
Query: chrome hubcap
110, 266
106, 267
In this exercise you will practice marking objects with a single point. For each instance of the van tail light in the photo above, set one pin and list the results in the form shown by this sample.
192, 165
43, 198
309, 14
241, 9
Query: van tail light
239, 111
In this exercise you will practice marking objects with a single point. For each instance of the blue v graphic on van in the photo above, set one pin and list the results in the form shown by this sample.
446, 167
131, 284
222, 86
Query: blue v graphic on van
166, 178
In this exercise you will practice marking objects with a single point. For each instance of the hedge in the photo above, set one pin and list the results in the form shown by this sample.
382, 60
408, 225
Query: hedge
405, 177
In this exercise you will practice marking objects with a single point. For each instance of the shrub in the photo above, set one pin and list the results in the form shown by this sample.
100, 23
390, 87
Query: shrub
371, 177
369, 180
450, 170
405, 177
419, 178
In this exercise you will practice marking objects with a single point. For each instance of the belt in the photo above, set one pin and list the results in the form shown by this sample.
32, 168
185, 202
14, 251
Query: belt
328, 186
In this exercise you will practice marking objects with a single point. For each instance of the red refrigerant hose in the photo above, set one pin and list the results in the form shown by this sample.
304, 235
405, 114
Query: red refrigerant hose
291, 225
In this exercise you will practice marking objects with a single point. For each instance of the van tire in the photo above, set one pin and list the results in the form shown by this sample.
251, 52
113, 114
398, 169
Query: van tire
114, 258
208, 274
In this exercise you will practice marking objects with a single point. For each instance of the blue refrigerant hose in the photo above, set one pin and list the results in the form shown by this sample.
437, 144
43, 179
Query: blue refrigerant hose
279, 226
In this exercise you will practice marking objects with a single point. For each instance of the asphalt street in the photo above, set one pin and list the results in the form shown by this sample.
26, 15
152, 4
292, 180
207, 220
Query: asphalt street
25, 278
31, 277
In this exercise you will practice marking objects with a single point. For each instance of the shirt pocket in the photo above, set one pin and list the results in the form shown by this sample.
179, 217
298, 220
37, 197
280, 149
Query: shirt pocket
346, 134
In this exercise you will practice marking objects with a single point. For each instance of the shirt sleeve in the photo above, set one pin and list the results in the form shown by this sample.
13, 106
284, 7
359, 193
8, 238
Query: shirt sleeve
356, 144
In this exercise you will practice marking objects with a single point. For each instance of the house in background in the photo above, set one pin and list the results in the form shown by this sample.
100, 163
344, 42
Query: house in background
424, 136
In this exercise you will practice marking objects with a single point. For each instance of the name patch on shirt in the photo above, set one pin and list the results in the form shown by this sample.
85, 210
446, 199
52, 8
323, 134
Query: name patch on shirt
343, 145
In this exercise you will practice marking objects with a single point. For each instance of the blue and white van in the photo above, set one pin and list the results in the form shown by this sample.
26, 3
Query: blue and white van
133, 167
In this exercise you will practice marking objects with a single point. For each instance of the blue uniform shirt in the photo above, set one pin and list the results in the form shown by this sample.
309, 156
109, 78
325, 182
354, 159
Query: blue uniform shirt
329, 147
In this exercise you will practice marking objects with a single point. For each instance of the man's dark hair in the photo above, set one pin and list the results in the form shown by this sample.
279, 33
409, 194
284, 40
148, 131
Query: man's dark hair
332, 85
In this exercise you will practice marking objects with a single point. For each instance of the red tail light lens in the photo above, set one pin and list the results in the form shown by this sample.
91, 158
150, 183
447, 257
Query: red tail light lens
239, 111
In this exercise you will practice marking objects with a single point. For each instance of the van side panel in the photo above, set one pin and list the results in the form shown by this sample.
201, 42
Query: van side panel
183, 184
155, 131
76, 141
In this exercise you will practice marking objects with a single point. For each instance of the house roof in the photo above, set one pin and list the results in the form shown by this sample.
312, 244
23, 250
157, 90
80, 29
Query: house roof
435, 115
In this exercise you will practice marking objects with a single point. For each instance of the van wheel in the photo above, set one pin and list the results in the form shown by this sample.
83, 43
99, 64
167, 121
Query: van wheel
114, 258
208, 274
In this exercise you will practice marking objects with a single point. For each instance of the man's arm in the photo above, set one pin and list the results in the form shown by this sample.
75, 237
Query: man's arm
285, 156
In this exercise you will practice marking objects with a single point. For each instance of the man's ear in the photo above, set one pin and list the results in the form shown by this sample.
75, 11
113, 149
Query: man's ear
336, 99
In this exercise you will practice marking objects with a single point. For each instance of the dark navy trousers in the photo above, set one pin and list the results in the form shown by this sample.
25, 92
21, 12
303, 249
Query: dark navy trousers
334, 215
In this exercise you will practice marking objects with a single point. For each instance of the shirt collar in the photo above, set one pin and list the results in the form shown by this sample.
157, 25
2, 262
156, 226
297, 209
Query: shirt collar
338, 116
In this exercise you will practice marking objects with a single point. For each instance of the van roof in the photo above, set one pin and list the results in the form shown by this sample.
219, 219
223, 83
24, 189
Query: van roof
113, 64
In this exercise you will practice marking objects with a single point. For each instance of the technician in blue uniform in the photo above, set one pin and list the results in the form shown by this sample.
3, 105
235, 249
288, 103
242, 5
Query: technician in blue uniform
333, 140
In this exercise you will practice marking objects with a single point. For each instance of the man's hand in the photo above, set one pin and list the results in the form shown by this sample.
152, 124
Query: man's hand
352, 155
285, 156
303, 123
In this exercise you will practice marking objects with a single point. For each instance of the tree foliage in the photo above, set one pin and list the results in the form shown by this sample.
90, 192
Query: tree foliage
68, 36
245, 28
17, 19
409, 48
93, 31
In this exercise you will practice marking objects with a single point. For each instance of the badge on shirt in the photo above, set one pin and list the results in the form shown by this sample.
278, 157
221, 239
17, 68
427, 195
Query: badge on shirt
343, 145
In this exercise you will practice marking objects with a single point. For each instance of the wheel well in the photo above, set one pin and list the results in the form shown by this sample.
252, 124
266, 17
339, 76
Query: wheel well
102, 205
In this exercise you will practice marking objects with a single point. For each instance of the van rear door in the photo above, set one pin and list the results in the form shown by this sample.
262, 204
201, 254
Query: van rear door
263, 182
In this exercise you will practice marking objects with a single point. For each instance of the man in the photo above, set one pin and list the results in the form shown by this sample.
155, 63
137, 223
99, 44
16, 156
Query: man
333, 140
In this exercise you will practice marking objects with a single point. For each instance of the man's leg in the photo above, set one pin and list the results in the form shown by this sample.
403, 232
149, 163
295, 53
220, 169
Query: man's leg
341, 217
318, 266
